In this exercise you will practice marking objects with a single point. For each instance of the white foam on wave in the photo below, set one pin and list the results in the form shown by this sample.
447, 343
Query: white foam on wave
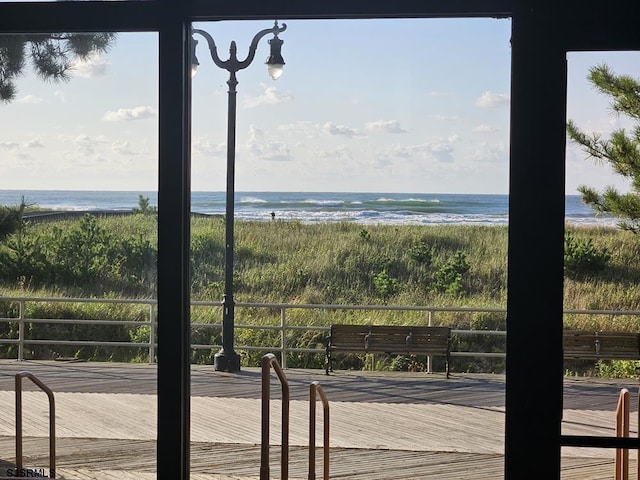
323, 202
252, 200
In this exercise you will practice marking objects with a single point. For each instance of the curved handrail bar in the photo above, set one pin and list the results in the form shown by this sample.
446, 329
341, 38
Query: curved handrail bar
314, 389
269, 360
52, 421
622, 430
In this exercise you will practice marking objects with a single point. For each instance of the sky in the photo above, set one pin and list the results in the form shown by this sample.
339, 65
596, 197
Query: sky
413, 105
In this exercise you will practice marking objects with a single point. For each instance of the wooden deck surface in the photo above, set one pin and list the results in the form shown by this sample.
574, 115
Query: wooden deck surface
384, 425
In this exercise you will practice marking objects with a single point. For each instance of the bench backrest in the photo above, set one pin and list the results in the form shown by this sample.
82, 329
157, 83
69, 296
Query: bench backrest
604, 345
391, 339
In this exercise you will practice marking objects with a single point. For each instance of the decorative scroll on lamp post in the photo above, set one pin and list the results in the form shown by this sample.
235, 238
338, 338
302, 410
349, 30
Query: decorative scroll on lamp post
227, 359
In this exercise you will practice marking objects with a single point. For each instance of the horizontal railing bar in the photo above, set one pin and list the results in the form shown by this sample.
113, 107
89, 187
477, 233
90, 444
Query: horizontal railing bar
86, 322
353, 307
283, 327
479, 354
140, 301
309, 328
85, 342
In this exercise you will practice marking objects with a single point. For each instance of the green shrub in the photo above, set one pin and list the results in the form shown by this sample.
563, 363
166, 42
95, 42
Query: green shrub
421, 253
618, 368
449, 277
582, 257
386, 286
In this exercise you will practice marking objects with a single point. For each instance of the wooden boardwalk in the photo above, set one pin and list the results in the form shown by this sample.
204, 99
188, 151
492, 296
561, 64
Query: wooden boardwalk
387, 425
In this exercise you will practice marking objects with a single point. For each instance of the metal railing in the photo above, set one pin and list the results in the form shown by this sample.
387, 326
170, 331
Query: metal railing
283, 327
316, 390
268, 361
52, 423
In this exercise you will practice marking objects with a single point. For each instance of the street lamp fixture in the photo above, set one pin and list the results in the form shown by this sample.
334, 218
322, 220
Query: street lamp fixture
227, 359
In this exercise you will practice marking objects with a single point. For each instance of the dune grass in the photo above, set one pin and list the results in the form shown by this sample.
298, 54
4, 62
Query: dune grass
344, 263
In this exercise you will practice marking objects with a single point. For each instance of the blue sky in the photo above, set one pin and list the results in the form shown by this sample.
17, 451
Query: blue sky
375, 105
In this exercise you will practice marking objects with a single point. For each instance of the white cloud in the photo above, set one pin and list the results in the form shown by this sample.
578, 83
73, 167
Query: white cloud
492, 100
81, 145
485, 128
490, 153
94, 65
389, 126
30, 99
209, 149
34, 144
9, 145
123, 148
440, 149
333, 129
269, 96
136, 113
303, 127
262, 149
60, 96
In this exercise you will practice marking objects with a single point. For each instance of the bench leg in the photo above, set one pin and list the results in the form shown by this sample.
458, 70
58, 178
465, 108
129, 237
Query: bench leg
448, 357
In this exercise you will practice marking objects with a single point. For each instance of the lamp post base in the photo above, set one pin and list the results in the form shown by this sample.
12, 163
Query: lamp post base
226, 362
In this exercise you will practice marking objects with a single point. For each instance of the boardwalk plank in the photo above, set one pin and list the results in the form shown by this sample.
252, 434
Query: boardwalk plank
384, 425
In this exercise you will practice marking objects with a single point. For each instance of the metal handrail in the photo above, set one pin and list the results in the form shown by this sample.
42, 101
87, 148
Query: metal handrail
269, 360
622, 430
283, 327
314, 389
52, 421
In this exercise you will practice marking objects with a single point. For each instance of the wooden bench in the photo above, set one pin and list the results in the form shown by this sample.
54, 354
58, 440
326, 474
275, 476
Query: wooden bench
401, 340
601, 345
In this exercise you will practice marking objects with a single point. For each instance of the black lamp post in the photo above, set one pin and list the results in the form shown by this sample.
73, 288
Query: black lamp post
227, 360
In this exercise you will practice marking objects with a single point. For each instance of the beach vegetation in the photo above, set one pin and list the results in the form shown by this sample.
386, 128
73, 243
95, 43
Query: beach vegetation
621, 151
449, 277
144, 206
386, 286
10, 220
582, 257
297, 263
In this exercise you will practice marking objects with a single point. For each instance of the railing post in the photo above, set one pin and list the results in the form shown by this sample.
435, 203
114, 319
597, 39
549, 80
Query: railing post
21, 314
18, 379
314, 389
622, 430
269, 360
52, 422
283, 337
429, 357
152, 334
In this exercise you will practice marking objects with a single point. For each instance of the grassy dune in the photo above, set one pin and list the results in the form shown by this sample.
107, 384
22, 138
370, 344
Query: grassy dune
338, 263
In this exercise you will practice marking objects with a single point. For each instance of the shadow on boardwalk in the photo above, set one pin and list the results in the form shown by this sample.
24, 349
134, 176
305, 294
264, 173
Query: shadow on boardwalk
385, 425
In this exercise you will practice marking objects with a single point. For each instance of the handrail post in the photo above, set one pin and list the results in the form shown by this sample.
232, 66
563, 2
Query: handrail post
429, 357
21, 313
622, 430
283, 337
52, 421
314, 389
269, 360
152, 334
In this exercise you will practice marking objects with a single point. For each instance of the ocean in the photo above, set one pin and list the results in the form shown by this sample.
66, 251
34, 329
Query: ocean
315, 207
